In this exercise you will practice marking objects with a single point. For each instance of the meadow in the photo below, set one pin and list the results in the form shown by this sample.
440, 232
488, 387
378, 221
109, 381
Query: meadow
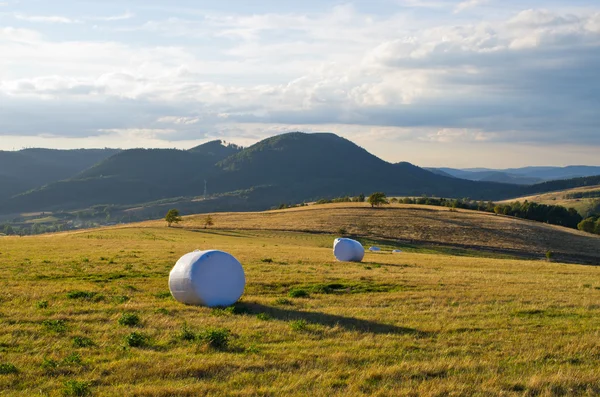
89, 313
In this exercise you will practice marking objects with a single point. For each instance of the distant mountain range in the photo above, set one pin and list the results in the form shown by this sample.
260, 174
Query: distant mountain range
292, 167
520, 176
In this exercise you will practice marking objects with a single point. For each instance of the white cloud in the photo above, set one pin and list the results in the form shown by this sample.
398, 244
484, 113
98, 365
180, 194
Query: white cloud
121, 17
465, 5
46, 18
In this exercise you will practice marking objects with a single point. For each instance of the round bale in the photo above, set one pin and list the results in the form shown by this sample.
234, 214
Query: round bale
208, 278
348, 250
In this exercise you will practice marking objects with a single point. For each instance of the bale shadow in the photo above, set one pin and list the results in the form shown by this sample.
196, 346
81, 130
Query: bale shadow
330, 320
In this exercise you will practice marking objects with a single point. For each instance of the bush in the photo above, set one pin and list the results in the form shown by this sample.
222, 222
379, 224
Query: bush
549, 255
298, 293
283, 301
186, 333
42, 305
263, 316
82, 341
136, 339
217, 338
58, 326
81, 295
7, 369
342, 231
76, 388
298, 325
129, 320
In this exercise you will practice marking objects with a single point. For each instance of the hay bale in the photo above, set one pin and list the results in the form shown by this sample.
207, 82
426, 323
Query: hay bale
208, 278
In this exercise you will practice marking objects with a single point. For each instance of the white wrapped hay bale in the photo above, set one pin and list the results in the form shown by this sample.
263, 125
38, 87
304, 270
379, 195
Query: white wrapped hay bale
374, 249
209, 278
348, 250
396, 251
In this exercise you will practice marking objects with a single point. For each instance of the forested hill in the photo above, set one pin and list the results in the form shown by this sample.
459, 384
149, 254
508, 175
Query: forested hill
30, 168
296, 166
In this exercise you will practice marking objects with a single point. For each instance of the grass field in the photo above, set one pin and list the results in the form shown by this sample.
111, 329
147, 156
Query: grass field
441, 230
582, 205
89, 313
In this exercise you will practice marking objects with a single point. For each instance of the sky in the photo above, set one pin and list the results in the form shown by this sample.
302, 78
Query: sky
474, 83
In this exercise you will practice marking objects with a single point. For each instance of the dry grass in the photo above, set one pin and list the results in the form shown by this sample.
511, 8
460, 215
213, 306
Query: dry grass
418, 226
582, 205
409, 324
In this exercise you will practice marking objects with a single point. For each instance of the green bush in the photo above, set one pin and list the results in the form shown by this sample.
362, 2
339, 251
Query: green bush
136, 339
58, 326
186, 333
298, 325
82, 341
283, 302
298, 293
7, 369
81, 295
129, 320
217, 338
42, 304
76, 388
263, 316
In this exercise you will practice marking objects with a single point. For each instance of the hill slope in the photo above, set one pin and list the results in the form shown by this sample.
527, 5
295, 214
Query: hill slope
586, 200
30, 168
295, 166
422, 225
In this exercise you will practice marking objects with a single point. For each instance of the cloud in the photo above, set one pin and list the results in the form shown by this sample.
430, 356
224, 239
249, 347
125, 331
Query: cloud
46, 18
121, 17
465, 5
528, 78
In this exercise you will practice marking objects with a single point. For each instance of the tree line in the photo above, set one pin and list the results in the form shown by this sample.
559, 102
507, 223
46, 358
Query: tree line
552, 214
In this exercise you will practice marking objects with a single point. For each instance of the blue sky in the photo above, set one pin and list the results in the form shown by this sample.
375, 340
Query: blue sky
437, 83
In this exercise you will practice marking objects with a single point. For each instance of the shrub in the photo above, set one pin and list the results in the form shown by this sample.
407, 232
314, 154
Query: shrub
342, 231
76, 388
129, 320
82, 341
81, 295
263, 316
58, 326
186, 333
267, 260
217, 338
7, 369
298, 293
283, 301
549, 255
42, 304
298, 325
136, 339
72, 359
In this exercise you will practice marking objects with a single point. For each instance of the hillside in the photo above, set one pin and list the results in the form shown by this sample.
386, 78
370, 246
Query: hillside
586, 200
295, 167
522, 176
421, 226
92, 315
30, 168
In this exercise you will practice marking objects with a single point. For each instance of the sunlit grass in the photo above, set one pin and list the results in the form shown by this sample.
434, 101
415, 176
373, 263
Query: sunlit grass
98, 319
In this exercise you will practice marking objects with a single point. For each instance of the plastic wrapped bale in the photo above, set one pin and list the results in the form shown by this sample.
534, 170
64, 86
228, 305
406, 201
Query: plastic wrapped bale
374, 249
348, 250
396, 252
208, 278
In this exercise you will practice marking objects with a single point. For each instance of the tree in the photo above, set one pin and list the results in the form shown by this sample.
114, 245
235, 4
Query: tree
549, 255
587, 225
394, 200
8, 230
361, 198
172, 217
377, 199
208, 221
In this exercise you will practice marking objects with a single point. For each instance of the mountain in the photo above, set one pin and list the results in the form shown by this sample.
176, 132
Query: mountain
217, 149
29, 168
294, 167
521, 176
130, 177
486, 175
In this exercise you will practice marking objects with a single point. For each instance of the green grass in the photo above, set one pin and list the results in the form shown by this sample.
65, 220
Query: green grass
412, 324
